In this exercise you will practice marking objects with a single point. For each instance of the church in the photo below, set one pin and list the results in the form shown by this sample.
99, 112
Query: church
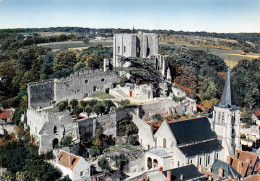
197, 141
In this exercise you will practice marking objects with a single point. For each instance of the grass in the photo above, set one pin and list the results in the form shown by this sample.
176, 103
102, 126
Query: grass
51, 110
230, 56
74, 44
102, 96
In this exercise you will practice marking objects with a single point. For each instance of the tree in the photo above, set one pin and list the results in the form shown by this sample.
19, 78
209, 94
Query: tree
99, 108
88, 110
103, 163
47, 65
65, 59
94, 151
86, 40
67, 140
62, 105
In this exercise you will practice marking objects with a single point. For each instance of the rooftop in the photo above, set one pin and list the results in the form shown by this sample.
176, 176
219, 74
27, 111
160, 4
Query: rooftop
68, 160
188, 172
228, 169
158, 152
7, 114
201, 148
192, 130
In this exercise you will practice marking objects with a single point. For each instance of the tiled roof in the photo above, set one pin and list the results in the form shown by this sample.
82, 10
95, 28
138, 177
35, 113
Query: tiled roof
248, 161
228, 169
192, 130
252, 178
200, 148
188, 172
257, 114
68, 160
7, 114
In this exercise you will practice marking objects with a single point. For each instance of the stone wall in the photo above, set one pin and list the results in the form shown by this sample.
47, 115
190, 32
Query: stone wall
49, 128
107, 123
77, 86
160, 107
40, 94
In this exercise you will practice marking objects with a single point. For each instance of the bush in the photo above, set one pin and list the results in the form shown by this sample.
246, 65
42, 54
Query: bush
94, 151
103, 163
62, 105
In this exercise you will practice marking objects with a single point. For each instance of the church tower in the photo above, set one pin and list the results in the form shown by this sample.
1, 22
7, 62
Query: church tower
226, 120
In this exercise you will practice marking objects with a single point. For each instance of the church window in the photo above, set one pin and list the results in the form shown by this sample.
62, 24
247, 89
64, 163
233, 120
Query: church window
217, 155
223, 116
118, 49
200, 160
178, 163
149, 163
190, 161
164, 143
124, 49
208, 159
155, 140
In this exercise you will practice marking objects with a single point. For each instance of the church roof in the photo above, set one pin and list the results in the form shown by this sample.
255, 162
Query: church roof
192, 130
201, 148
227, 99
188, 172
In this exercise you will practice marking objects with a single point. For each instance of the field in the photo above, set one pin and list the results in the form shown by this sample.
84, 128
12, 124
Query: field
230, 56
75, 44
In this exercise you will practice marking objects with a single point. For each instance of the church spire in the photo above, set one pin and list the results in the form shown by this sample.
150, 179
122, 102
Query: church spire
227, 99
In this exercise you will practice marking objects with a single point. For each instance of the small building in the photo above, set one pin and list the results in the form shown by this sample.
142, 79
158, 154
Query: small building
76, 167
221, 171
6, 116
256, 117
245, 163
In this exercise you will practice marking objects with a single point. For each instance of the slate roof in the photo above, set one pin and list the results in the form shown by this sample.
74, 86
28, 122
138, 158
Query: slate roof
228, 169
227, 98
192, 130
188, 172
200, 148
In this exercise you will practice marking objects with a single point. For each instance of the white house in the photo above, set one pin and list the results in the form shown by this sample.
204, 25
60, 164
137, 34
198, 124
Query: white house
76, 167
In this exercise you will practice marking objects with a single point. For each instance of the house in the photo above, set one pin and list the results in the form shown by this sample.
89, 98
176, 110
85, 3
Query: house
6, 116
245, 163
256, 117
76, 167
221, 171
187, 172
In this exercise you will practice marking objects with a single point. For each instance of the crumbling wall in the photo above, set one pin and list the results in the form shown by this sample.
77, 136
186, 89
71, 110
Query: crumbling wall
40, 94
77, 86
160, 107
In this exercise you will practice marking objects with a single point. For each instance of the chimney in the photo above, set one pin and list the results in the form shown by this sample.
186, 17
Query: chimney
221, 172
229, 159
236, 179
200, 168
181, 177
236, 154
160, 169
169, 175
239, 167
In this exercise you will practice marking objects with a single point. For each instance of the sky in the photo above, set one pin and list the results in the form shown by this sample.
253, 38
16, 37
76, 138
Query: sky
228, 16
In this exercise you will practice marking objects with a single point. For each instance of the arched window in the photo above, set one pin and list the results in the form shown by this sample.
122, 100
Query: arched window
149, 163
155, 140
178, 164
200, 160
55, 130
190, 161
208, 159
164, 143
118, 49
55, 143
124, 49
217, 155
155, 163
